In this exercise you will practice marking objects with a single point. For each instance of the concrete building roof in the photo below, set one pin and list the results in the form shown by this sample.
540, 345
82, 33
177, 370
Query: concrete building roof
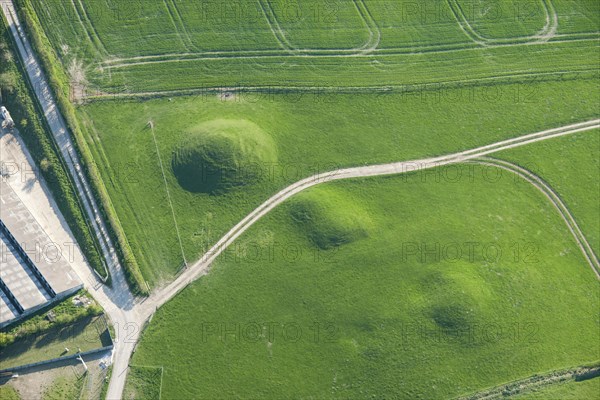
46, 255
21, 281
7, 311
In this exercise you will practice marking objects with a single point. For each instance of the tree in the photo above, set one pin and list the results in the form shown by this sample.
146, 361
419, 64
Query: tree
6, 56
8, 81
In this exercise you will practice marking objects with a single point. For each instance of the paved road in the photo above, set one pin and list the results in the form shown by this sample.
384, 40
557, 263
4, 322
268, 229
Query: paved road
129, 315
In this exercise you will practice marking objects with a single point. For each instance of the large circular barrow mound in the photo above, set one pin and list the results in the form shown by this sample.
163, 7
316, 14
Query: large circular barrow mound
219, 155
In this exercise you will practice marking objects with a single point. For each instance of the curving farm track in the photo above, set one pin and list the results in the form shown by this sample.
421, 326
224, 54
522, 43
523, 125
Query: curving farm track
144, 310
556, 201
544, 35
129, 315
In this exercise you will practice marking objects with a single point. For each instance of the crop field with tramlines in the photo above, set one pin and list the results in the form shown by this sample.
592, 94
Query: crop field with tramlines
439, 282
153, 46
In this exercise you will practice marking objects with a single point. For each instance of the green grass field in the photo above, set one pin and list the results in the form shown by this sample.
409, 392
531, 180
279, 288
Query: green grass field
577, 16
353, 289
571, 166
180, 45
404, 298
504, 19
312, 25
8, 393
334, 131
143, 383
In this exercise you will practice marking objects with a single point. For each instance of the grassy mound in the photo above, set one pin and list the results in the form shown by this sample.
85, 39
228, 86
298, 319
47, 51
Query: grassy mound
359, 322
329, 218
218, 155
454, 300
453, 316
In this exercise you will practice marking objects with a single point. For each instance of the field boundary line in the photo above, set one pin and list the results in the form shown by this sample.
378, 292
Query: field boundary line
168, 192
547, 190
162, 372
208, 55
57, 359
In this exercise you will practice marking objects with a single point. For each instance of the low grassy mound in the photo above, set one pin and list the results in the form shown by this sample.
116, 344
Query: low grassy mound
368, 320
452, 316
453, 302
219, 155
329, 218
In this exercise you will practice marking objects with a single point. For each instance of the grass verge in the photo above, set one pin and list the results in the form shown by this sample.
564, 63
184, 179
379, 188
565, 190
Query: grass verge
64, 313
86, 334
8, 393
143, 383
65, 388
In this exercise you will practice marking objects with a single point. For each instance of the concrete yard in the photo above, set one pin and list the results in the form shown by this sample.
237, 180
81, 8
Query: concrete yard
35, 260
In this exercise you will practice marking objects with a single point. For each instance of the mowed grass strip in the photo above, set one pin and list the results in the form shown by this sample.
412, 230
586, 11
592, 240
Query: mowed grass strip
312, 133
404, 310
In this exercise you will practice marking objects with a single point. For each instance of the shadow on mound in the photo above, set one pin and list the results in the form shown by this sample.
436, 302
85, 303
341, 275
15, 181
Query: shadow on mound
329, 218
219, 155
452, 316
